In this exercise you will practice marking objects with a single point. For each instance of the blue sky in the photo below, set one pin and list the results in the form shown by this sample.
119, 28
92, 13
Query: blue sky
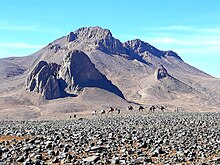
189, 27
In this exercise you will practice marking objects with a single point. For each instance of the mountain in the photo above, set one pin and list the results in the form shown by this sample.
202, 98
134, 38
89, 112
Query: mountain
89, 69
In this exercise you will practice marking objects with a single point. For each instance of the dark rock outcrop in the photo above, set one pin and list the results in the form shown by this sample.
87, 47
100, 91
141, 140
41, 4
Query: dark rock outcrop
71, 37
55, 47
77, 69
52, 89
160, 73
168, 84
14, 71
76, 72
42, 79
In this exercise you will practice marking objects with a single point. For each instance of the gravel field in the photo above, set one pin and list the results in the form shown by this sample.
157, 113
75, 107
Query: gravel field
156, 138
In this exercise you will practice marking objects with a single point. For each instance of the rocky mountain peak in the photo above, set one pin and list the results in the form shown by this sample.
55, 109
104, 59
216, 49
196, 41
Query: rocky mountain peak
92, 33
97, 38
172, 53
95, 32
139, 46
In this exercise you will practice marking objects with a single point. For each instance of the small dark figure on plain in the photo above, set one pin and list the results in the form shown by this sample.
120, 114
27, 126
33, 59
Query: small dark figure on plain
111, 110
130, 108
74, 116
162, 108
141, 108
152, 108
118, 110
93, 113
177, 109
102, 112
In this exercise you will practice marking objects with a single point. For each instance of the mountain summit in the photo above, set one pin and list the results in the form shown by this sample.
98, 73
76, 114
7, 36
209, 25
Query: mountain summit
97, 38
90, 69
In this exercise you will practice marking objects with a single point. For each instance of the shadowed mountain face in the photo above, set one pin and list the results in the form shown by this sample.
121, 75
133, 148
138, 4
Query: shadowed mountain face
76, 72
91, 62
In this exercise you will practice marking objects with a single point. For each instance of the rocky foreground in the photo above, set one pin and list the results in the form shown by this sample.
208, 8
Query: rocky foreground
157, 138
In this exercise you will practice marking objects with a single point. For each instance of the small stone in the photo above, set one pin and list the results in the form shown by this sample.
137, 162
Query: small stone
122, 161
55, 160
65, 150
140, 159
38, 156
25, 149
37, 142
20, 159
38, 162
91, 159
48, 144
115, 160
155, 154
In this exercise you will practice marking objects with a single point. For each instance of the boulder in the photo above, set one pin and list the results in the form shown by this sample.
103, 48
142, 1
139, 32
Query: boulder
160, 73
42, 79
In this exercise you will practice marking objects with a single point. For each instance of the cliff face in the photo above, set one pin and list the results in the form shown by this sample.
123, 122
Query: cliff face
76, 72
42, 79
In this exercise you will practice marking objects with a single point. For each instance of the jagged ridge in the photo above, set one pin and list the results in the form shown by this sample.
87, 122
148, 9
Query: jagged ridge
102, 39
